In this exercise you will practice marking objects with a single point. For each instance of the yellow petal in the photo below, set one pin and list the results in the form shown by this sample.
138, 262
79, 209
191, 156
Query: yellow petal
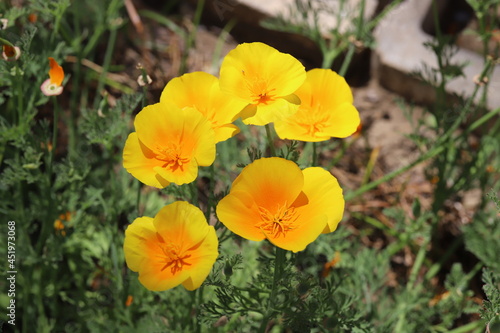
137, 237
140, 162
308, 228
344, 121
204, 256
270, 182
325, 196
326, 109
275, 111
201, 91
182, 222
238, 212
158, 123
256, 68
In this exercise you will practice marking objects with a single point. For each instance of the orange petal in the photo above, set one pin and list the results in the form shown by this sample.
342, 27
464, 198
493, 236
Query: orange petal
325, 196
238, 212
56, 73
270, 182
141, 162
201, 91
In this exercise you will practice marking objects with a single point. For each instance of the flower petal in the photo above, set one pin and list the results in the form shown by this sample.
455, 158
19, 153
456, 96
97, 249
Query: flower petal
308, 228
265, 114
201, 91
326, 109
270, 182
250, 62
140, 162
238, 212
56, 73
138, 235
325, 196
203, 259
182, 223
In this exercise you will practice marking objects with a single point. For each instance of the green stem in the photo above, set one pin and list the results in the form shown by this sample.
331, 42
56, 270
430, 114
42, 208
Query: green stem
107, 62
314, 155
270, 140
365, 188
278, 274
210, 193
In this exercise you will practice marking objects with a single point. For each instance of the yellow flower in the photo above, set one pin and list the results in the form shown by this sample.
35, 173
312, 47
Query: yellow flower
53, 85
265, 79
201, 91
272, 198
175, 247
326, 110
168, 146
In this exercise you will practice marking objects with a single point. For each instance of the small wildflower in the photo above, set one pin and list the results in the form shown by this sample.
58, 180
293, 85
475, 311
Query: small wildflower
32, 18
53, 85
140, 80
329, 265
4, 23
480, 81
129, 300
10, 53
59, 223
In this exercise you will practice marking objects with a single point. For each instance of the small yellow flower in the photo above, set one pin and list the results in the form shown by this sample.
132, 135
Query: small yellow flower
53, 85
168, 145
201, 91
175, 247
265, 79
326, 110
272, 198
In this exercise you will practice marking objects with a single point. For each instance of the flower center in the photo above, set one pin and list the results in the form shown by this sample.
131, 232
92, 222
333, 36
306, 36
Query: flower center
261, 94
279, 222
172, 156
173, 256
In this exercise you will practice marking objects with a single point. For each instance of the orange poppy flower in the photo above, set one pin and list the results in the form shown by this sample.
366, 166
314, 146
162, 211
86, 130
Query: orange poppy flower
53, 85
272, 198
175, 247
263, 78
168, 146
201, 91
326, 110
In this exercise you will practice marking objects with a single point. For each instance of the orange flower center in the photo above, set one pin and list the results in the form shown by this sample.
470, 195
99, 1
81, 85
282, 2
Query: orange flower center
313, 121
279, 222
173, 256
172, 156
261, 94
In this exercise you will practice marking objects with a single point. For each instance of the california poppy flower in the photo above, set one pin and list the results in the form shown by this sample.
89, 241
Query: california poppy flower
53, 85
265, 79
168, 145
201, 91
272, 198
325, 111
175, 247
